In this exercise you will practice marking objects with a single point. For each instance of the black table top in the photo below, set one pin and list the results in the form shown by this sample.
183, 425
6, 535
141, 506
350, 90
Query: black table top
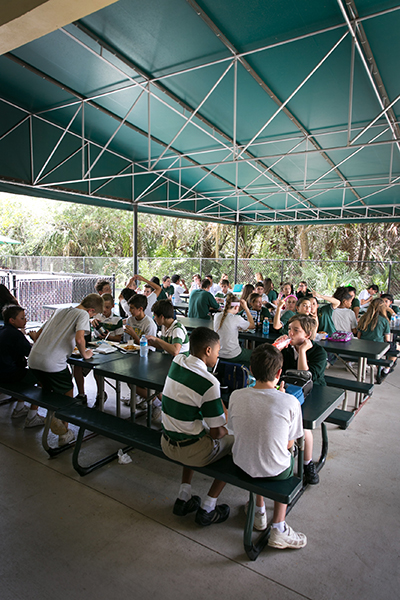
357, 348
149, 372
319, 404
96, 360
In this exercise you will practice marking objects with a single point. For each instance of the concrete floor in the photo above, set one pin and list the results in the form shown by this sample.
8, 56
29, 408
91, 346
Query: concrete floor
112, 534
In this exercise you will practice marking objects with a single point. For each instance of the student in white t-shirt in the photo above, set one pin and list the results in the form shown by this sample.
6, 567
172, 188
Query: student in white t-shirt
228, 324
214, 286
343, 317
179, 286
367, 295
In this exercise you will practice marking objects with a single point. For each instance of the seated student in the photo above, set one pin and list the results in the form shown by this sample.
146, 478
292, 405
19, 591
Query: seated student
54, 344
257, 310
287, 289
112, 329
224, 276
343, 317
103, 286
302, 290
285, 309
269, 290
196, 283
374, 326
139, 323
173, 338
258, 276
325, 311
367, 295
151, 290
123, 298
214, 288
201, 302
391, 308
259, 289
191, 399
167, 289
228, 324
304, 355
247, 290
14, 348
303, 307
265, 423
355, 303
220, 296
6, 298
179, 286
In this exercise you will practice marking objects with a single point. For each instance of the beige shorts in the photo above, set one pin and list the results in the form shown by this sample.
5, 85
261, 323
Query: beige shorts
203, 452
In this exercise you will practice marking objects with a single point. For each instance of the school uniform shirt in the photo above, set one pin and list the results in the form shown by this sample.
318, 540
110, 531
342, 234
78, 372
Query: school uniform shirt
111, 324
325, 319
57, 340
166, 292
144, 327
316, 360
263, 422
176, 334
190, 396
344, 319
214, 289
152, 299
229, 334
14, 348
200, 302
178, 290
272, 296
377, 334
355, 303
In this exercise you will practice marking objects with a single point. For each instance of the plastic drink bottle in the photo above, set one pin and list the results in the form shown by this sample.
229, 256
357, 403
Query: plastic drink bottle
144, 347
281, 344
265, 327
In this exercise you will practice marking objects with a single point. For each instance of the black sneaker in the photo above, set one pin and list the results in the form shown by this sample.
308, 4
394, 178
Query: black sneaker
310, 474
97, 403
182, 508
218, 515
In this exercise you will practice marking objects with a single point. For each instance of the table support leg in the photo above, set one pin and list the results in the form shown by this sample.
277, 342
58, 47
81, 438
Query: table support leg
324, 448
362, 366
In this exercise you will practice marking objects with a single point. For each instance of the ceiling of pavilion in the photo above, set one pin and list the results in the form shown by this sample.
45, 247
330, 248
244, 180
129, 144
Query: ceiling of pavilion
253, 112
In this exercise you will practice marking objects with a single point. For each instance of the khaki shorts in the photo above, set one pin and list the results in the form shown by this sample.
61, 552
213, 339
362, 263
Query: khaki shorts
203, 452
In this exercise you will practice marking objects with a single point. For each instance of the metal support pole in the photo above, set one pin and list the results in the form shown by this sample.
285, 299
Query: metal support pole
282, 272
236, 251
389, 278
134, 238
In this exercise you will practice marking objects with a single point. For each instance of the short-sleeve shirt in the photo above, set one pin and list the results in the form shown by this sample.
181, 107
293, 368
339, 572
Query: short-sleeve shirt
200, 302
344, 319
377, 334
355, 303
57, 340
325, 319
228, 334
214, 288
178, 290
190, 396
316, 360
176, 334
263, 422
14, 348
144, 327
272, 295
165, 292
151, 299
111, 324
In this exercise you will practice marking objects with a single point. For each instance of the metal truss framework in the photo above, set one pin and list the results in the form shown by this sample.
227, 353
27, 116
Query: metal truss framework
167, 168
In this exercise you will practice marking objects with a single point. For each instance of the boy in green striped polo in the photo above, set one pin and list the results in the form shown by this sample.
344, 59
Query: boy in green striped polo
174, 338
191, 397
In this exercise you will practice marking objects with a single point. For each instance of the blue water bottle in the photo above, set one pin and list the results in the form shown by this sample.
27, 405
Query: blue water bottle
144, 347
265, 327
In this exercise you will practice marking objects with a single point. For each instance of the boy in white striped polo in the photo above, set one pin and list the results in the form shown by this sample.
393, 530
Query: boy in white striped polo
173, 338
191, 396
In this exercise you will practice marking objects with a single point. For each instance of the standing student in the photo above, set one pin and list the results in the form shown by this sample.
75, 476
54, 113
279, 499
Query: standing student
228, 324
14, 348
54, 344
191, 399
201, 302
265, 423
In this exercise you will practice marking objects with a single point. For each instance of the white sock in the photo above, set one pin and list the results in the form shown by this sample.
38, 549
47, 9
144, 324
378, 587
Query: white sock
386, 370
260, 509
31, 413
185, 492
20, 405
209, 504
156, 402
281, 526
307, 462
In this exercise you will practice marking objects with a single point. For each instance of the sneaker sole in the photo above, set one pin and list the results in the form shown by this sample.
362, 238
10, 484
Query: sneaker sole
282, 546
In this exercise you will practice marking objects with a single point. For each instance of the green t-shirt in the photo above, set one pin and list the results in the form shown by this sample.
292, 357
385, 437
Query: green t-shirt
200, 302
377, 334
325, 319
395, 308
355, 303
288, 314
272, 295
316, 360
165, 292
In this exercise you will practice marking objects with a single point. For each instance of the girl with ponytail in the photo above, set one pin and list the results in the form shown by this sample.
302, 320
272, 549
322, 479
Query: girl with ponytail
228, 324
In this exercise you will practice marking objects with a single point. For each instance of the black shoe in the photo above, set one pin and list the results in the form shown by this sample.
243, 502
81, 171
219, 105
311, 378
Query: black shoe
310, 474
218, 515
182, 508
97, 403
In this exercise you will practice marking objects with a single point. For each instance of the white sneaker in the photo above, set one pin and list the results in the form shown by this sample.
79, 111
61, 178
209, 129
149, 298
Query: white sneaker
287, 539
16, 414
156, 415
66, 438
36, 421
260, 519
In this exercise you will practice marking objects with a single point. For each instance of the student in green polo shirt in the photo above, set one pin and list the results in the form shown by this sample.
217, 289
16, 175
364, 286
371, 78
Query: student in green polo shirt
202, 301
191, 398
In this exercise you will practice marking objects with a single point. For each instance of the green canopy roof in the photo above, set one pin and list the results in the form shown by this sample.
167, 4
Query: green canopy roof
225, 110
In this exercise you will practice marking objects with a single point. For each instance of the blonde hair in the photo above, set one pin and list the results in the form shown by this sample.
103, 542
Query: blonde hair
370, 319
228, 304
